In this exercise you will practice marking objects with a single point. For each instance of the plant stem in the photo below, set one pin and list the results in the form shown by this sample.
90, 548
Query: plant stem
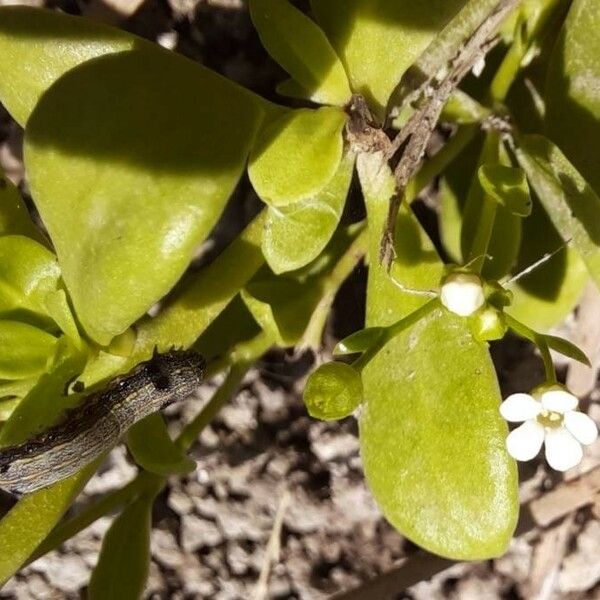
394, 330
342, 270
481, 242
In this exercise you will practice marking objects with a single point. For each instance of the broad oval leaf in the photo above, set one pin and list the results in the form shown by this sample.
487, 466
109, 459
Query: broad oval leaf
572, 99
432, 441
570, 202
297, 155
124, 559
507, 186
28, 273
38, 46
431, 436
153, 449
302, 49
25, 350
124, 212
333, 391
297, 233
378, 40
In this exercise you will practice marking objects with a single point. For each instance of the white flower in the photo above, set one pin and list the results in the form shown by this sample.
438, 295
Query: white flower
462, 293
551, 419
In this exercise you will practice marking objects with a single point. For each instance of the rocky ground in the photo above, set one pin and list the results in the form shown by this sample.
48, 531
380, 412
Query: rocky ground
264, 460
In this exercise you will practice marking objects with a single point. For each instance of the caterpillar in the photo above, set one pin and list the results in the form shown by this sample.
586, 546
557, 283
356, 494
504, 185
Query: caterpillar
95, 426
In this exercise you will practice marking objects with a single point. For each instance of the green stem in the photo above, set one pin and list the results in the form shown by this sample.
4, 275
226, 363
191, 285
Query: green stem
536, 338
483, 235
342, 270
394, 330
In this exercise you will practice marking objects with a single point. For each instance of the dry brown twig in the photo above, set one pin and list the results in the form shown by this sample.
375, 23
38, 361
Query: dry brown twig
420, 127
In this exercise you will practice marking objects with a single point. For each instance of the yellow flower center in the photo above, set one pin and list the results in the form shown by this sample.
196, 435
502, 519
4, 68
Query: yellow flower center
550, 419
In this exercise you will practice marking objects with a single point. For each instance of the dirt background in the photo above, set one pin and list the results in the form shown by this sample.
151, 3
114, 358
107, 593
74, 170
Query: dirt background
263, 455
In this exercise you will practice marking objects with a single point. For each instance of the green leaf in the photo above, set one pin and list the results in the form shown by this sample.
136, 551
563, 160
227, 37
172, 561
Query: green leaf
302, 49
46, 402
27, 523
567, 349
282, 306
432, 441
153, 449
297, 233
333, 391
124, 212
25, 350
570, 202
431, 436
572, 99
507, 186
39, 46
8, 405
378, 40
28, 273
296, 155
544, 297
124, 560
16, 387
14, 216
359, 341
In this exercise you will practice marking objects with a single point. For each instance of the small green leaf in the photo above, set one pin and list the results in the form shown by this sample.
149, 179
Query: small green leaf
8, 405
302, 49
297, 155
333, 391
124, 560
24, 350
125, 213
14, 216
507, 186
297, 233
360, 341
28, 273
27, 523
153, 449
570, 202
566, 348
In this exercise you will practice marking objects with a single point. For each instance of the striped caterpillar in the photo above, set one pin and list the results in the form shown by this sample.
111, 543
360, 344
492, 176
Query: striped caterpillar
97, 425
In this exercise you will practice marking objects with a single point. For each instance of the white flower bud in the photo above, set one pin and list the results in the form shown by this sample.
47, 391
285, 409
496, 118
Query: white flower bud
462, 293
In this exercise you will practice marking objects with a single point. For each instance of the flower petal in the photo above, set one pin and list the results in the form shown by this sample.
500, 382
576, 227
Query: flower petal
520, 407
462, 293
525, 441
563, 451
581, 427
559, 401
